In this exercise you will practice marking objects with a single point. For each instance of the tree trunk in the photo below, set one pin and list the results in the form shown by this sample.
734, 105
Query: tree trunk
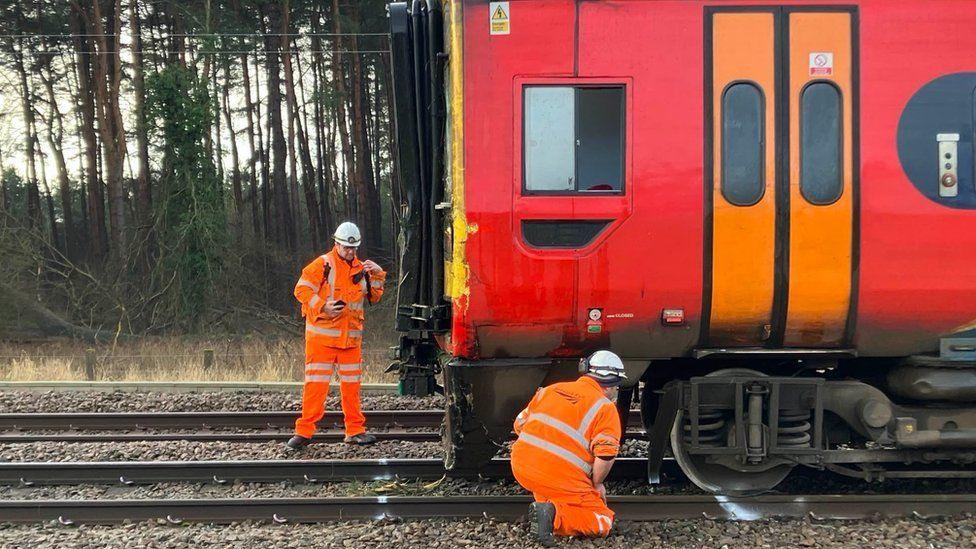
235, 177
218, 141
283, 215
308, 170
366, 196
33, 195
338, 72
95, 203
252, 162
48, 197
143, 189
287, 47
265, 170
107, 81
54, 140
323, 173
4, 192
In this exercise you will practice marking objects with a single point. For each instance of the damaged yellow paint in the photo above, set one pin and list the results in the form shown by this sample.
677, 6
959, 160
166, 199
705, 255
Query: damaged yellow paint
455, 264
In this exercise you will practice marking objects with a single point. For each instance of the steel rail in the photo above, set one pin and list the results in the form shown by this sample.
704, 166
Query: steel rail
121, 421
223, 472
262, 436
635, 508
181, 386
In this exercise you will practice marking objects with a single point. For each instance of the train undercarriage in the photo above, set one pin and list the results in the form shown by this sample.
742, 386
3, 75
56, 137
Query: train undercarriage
738, 423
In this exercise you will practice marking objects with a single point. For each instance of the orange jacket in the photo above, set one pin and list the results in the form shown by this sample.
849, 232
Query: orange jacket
329, 277
563, 429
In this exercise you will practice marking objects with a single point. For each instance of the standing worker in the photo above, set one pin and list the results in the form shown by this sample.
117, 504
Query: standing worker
568, 438
333, 290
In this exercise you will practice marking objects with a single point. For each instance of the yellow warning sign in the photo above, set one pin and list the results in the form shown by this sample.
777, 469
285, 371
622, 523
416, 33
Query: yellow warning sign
499, 20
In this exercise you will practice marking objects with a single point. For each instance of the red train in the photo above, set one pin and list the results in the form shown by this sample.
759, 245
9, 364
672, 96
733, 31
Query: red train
765, 208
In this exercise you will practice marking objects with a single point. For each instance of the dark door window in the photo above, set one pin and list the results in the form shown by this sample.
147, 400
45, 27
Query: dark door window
743, 144
821, 144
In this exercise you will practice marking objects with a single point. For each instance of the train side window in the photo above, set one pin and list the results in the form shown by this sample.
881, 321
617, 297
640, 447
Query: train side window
743, 144
600, 139
573, 139
821, 144
549, 143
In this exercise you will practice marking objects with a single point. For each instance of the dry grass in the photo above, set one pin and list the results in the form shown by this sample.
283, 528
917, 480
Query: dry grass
251, 358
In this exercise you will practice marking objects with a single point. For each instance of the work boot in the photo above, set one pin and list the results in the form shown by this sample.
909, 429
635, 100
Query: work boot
360, 439
297, 443
541, 518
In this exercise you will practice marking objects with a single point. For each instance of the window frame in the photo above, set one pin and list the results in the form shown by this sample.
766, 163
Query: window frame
623, 87
840, 142
763, 142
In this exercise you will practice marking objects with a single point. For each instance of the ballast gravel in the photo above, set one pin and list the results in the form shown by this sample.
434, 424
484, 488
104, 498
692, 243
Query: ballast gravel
480, 533
251, 490
182, 450
214, 401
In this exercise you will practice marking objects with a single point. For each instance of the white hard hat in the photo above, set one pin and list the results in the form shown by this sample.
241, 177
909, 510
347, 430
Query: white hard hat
605, 367
347, 234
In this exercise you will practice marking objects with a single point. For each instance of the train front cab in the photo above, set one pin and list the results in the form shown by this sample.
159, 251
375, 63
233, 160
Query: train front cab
712, 190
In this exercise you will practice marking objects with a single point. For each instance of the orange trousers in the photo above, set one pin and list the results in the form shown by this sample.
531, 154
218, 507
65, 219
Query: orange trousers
321, 363
582, 514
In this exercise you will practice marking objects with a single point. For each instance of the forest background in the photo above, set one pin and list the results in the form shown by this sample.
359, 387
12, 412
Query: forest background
167, 167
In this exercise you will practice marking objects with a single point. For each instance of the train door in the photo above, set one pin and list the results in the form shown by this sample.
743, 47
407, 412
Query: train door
780, 194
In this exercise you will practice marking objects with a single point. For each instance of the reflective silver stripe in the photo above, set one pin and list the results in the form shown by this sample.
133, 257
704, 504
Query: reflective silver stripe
313, 303
376, 283
307, 282
318, 366
362, 284
356, 306
318, 377
557, 451
591, 415
355, 333
350, 379
324, 331
562, 428
350, 367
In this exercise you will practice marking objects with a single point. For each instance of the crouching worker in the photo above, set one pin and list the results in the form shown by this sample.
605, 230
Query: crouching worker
568, 438
333, 290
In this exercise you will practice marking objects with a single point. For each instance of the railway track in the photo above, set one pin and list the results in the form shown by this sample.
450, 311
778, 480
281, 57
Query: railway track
203, 426
224, 472
635, 508
122, 421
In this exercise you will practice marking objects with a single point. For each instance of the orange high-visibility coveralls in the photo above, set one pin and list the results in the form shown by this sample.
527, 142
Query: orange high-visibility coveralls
334, 343
562, 430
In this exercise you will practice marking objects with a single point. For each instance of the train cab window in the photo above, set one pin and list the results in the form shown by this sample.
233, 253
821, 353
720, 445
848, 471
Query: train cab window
821, 144
743, 146
573, 139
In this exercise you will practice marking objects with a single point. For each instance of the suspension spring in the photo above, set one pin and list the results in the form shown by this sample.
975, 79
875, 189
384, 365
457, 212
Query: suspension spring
711, 428
794, 429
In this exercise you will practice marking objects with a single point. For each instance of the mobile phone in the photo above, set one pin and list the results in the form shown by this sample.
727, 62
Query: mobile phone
340, 304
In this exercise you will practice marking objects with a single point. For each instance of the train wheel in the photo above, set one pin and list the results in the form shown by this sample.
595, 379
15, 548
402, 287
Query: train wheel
717, 478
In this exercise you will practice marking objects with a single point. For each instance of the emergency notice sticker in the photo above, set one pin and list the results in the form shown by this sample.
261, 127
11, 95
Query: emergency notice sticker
498, 18
821, 63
